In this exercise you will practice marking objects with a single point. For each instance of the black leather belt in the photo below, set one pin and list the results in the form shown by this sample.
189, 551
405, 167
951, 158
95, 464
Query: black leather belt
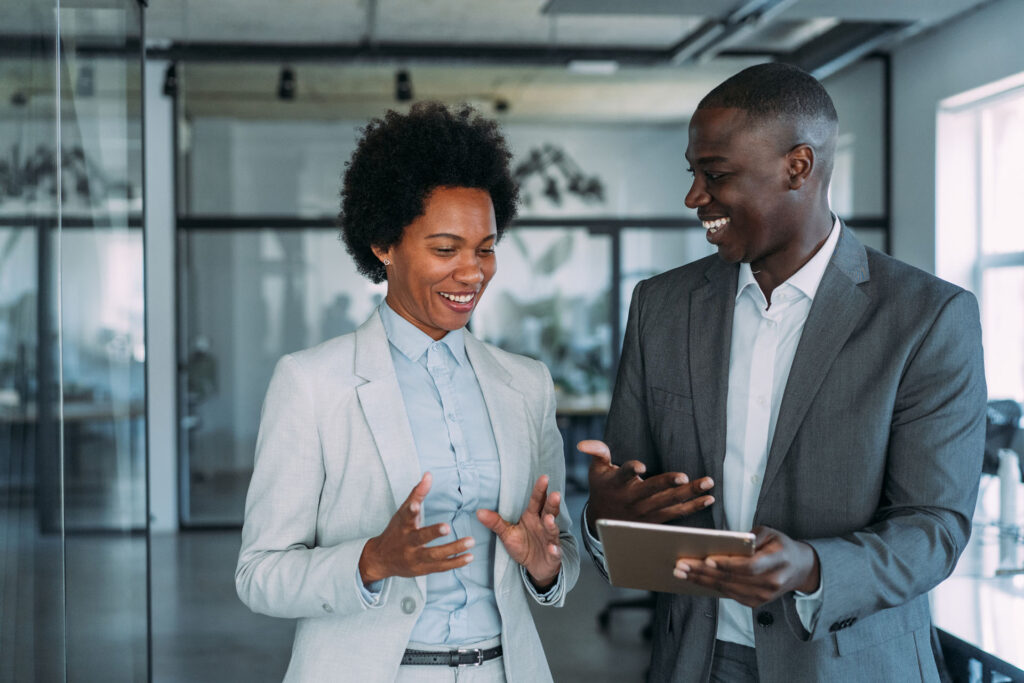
451, 657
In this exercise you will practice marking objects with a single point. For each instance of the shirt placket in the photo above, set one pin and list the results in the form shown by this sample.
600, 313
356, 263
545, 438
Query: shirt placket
759, 407
441, 366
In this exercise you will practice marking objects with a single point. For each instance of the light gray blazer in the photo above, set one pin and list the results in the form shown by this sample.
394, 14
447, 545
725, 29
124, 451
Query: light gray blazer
335, 458
875, 460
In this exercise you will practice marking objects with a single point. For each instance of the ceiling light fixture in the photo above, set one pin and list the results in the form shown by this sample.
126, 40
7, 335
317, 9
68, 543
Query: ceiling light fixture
286, 84
403, 86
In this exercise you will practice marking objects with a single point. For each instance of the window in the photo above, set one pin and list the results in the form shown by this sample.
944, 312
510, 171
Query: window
980, 227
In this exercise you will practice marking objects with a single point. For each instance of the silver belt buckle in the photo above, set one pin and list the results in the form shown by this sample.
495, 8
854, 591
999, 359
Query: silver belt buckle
479, 657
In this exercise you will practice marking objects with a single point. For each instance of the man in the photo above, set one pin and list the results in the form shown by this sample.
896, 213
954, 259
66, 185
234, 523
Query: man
800, 385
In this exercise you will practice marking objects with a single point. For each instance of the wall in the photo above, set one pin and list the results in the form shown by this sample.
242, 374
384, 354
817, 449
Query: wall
976, 49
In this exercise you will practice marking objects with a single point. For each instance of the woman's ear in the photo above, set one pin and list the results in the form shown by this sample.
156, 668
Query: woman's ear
800, 161
384, 255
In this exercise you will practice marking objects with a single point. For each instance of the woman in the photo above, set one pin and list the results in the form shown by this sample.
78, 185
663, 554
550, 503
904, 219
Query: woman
404, 504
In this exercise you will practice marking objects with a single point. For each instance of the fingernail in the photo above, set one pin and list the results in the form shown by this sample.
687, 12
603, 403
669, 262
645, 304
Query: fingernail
681, 480
711, 563
679, 574
706, 484
709, 501
444, 530
470, 542
469, 558
414, 507
682, 567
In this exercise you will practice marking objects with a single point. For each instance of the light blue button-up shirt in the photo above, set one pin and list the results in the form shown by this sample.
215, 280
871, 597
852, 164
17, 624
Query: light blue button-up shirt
455, 443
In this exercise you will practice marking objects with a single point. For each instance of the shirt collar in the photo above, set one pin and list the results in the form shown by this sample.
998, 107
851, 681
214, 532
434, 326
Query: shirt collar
414, 342
808, 278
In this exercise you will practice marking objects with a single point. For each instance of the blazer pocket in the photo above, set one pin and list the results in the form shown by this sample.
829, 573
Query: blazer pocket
876, 629
671, 400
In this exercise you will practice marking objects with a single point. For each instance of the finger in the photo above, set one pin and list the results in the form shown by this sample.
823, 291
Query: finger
493, 521
631, 469
441, 565
438, 553
678, 510
551, 526
670, 489
537, 496
427, 534
554, 550
598, 450
552, 504
414, 502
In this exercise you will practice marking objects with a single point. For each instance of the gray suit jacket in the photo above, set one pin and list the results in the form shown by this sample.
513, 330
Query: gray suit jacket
875, 459
335, 458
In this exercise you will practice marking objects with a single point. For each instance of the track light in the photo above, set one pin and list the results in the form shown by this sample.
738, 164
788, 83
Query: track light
403, 86
286, 84
171, 80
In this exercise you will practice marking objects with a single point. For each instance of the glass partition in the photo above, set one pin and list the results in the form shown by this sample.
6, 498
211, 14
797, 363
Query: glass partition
72, 430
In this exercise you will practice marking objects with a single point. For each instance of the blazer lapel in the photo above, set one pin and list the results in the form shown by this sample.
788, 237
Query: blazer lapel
710, 333
384, 408
838, 306
506, 407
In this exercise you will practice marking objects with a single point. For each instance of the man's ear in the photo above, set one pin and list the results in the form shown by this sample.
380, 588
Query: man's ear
800, 163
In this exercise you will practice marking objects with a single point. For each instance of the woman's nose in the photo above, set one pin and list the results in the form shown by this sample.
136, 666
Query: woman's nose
470, 271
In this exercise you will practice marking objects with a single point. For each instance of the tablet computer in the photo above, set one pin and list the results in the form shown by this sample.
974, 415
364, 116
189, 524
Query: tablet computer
640, 555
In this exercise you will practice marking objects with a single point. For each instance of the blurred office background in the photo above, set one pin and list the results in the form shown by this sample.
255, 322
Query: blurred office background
169, 179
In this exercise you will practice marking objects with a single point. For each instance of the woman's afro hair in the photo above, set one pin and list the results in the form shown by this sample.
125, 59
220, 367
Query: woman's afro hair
402, 158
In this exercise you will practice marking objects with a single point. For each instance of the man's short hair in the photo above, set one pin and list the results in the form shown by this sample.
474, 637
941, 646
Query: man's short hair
773, 91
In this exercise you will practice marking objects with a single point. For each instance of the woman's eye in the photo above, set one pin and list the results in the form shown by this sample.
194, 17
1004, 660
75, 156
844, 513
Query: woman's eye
488, 251
444, 250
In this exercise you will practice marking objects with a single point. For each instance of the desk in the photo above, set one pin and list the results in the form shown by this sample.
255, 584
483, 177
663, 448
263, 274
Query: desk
981, 615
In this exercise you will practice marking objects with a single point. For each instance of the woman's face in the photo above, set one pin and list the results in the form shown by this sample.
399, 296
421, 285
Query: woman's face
444, 260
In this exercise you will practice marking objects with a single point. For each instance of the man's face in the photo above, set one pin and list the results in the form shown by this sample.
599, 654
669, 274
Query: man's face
741, 186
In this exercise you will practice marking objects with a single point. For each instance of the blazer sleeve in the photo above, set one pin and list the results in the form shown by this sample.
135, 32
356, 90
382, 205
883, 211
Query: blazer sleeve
930, 482
552, 463
281, 570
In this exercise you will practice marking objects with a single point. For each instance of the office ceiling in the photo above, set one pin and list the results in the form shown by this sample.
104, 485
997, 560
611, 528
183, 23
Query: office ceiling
596, 60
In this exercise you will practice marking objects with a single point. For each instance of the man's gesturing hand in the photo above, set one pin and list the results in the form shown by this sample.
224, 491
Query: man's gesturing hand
779, 565
620, 492
402, 549
533, 540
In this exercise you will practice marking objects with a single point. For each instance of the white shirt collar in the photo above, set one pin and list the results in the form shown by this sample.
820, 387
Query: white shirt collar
808, 278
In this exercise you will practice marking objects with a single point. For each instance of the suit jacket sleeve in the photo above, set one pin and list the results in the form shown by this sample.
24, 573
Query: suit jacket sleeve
552, 463
930, 485
281, 570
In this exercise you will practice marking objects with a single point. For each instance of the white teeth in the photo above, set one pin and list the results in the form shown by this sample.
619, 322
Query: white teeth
713, 226
458, 298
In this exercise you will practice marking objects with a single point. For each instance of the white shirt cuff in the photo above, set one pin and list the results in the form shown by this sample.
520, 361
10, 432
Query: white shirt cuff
547, 597
370, 595
808, 605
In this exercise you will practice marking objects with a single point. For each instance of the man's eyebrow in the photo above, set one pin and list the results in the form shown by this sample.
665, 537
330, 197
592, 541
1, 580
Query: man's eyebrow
711, 159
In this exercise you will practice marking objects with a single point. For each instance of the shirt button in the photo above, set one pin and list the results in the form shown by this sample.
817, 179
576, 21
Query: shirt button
771, 323
327, 608
451, 416
408, 605
753, 479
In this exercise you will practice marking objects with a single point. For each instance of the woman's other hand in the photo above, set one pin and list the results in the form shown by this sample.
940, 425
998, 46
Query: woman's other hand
402, 549
533, 541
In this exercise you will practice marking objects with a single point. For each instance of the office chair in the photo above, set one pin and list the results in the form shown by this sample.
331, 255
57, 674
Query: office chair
1002, 421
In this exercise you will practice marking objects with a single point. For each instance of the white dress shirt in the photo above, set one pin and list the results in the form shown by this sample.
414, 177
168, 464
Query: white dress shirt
764, 341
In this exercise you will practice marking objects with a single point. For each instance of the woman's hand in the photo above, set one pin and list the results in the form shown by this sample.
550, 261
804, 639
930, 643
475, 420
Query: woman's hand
533, 541
402, 549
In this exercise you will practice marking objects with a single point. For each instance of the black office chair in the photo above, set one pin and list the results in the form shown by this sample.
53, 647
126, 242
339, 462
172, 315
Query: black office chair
1002, 422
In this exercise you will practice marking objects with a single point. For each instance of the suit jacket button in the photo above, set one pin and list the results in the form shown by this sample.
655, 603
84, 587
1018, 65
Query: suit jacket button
765, 619
408, 605
834, 627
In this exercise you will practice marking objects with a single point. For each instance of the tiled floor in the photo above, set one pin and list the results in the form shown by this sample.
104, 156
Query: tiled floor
201, 632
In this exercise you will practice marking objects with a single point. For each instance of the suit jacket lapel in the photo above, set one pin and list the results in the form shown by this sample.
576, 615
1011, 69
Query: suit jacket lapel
506, 407
838, 306
710, 332
384, 408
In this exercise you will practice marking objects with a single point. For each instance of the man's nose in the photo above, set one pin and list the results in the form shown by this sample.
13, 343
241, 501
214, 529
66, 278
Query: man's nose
697, 196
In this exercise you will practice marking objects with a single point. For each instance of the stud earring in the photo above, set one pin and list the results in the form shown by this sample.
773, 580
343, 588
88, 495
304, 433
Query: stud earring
387, 262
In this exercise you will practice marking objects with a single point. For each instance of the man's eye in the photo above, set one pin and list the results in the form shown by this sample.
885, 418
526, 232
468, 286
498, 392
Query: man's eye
713, 176
690, 171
